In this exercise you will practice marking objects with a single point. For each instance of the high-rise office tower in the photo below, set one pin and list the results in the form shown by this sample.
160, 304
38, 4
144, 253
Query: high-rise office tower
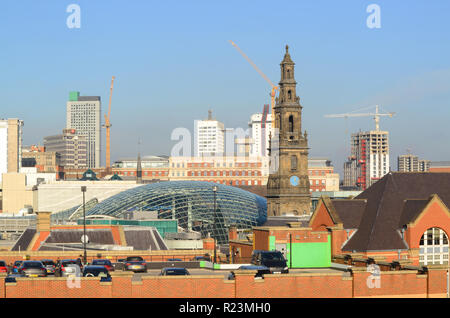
83, 115
209, 137
11, 131
288, 187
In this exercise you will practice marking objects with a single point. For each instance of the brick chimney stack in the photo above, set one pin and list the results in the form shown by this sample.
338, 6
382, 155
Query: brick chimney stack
43, 221
232, 233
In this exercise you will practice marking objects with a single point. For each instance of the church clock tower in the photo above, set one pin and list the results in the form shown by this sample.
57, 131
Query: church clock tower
288, 185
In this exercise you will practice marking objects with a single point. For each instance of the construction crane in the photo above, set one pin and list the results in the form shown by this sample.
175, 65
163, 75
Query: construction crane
274, 87
107, 125
376, 115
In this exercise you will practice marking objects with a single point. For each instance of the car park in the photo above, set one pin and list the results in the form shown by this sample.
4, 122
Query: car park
3, 267
103, 262
135, 264
174, 271
274, 260
49, 265
32, 269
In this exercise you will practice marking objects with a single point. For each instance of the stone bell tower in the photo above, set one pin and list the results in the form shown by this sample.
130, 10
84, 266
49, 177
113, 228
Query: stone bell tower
288, 185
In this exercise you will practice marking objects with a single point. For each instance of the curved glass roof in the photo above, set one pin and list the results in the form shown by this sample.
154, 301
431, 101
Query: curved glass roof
192, 204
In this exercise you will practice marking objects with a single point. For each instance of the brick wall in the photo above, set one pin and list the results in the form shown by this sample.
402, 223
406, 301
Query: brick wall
300, 285
294, 286
206, 286
404, 284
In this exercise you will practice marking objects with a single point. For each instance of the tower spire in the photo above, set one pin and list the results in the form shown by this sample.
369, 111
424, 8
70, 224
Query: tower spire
288, 186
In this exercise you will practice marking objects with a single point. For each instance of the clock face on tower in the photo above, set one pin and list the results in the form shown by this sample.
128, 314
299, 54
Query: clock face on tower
294, 181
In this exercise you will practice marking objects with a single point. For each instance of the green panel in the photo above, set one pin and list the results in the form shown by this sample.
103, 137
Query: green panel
73, 96
163, 226
309, 255
271, 243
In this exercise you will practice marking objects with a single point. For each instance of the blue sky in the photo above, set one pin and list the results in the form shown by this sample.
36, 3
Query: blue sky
172, 62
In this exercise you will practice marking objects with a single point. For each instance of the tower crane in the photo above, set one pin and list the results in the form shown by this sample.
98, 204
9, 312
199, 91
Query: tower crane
376, 115
273, 86
107, 125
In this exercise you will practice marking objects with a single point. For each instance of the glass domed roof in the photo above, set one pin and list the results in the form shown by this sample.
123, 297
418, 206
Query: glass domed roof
192, 204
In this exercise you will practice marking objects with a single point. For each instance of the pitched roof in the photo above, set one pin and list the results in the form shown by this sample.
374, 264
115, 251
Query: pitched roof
386, 209
349, 211
411, 210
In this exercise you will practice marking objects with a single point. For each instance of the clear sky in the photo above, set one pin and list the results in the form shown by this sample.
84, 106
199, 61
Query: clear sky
172, 62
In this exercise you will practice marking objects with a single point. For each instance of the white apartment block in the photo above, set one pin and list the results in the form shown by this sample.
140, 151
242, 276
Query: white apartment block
260, 135
83, 115
11, 132
209, 139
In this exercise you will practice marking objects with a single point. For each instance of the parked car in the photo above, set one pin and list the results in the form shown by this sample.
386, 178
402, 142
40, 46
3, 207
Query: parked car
260, 270
96, 271
15, 267
174, 260
274, 260
11, 278
66, 267
201, 258
3, 267
32, 269
103, 262
49, 265
170, 271
135, 264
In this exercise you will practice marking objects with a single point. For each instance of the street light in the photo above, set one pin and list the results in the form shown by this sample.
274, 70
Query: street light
83, 189
214, 226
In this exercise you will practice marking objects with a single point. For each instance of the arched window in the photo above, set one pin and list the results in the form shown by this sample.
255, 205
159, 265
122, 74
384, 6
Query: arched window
291, 123
289, 95
433, 247
288, 73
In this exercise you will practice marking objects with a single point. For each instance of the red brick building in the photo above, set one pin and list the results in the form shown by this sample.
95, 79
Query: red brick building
404, 216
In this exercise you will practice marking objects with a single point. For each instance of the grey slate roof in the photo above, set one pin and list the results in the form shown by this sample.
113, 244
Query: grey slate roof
349, 211
144, 238
96, 236
24, 240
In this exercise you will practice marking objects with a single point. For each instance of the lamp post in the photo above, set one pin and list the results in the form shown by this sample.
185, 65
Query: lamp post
83, 190
214, 225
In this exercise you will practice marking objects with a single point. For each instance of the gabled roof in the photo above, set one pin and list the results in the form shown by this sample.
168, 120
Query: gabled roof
349, 211
386, 211
411, 210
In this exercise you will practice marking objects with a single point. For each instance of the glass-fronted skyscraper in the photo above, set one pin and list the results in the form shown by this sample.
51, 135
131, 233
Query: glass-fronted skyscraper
192, 204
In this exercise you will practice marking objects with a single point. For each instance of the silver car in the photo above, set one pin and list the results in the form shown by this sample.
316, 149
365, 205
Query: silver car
32, 269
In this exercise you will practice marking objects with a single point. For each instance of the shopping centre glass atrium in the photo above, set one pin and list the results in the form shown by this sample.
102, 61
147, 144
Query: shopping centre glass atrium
192, 204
